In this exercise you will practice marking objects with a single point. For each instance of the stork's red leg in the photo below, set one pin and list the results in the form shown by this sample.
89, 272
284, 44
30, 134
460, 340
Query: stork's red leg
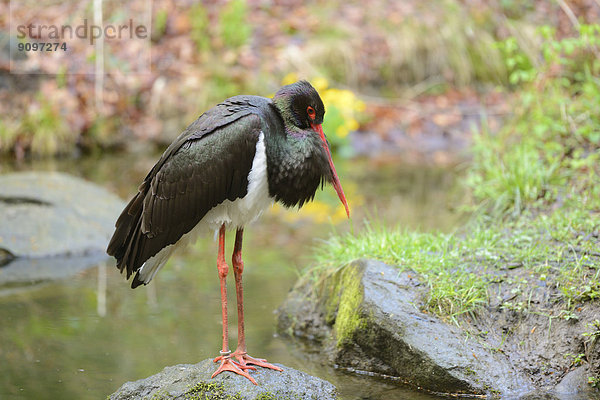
241, 353
227, 364
223, 269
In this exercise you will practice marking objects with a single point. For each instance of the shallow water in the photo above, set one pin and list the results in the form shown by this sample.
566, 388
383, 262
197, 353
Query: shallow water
83, 337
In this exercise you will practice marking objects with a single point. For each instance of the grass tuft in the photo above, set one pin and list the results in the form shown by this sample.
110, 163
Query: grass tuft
458, 267
434, 256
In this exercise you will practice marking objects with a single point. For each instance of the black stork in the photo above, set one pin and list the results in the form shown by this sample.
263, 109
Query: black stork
227, 167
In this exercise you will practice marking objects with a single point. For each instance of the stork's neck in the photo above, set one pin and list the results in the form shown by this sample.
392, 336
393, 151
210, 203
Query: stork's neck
283, 105
296, 163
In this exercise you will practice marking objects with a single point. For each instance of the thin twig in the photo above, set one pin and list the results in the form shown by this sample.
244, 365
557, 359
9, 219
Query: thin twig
567, 10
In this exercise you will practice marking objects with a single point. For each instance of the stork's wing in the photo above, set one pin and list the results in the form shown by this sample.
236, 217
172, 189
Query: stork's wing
205, 165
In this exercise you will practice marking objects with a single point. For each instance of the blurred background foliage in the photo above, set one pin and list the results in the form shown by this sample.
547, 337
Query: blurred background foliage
549, 151
389, 74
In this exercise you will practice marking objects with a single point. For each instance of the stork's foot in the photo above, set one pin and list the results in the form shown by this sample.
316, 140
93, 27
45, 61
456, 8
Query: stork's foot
227, 364
244, 361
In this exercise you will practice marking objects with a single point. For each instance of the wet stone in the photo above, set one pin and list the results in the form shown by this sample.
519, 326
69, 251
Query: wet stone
53, 225
193, 381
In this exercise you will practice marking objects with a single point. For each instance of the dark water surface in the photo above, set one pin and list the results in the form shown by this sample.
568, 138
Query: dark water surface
83, 337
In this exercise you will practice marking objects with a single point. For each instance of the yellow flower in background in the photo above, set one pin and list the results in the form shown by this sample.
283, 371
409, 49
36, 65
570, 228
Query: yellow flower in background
342, 131
289, 78
352, 125
360, 106
320, 84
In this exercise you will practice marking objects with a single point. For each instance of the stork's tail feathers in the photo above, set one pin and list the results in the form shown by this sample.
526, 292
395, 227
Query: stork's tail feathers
149, 269
125, 242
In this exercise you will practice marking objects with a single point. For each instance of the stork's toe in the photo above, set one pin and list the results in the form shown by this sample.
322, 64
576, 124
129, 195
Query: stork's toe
227, 364
244, 360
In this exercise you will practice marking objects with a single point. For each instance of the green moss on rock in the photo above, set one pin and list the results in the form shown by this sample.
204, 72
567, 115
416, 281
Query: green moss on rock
212, 390
160, 395
344, 298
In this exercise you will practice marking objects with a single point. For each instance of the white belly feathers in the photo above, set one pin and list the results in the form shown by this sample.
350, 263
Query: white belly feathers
234, 214
240, 212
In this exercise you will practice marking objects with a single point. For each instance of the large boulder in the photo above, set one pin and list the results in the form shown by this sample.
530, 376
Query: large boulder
367, 317
193, 381
52, 225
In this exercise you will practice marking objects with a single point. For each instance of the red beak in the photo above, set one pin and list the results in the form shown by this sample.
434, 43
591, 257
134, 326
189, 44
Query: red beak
335, 181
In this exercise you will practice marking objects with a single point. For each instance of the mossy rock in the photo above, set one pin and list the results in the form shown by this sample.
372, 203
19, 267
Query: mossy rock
367, 317
194, 382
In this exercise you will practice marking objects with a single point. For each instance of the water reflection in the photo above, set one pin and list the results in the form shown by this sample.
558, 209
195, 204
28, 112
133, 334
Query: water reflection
84, 336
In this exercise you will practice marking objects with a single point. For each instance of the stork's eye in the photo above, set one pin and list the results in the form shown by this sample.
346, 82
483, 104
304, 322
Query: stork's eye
311, 112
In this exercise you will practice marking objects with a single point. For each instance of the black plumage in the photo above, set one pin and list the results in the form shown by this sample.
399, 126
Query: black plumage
207, 164
210, 163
